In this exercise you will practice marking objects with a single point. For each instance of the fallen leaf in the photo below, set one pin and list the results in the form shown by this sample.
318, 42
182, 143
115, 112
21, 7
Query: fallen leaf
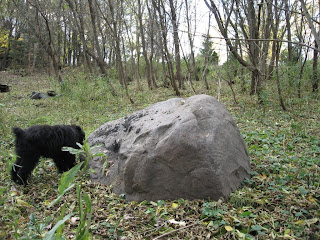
182, 223
228, 228
74, 220
175, 205
311, 199
311, 221
300, 222
22, 203
263, 176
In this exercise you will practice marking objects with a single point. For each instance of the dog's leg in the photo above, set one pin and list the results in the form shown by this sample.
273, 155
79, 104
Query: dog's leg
23, 167
15, 169
64, 162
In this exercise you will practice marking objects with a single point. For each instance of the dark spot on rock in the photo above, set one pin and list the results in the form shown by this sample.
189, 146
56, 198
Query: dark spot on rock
140, 115
138, 130
126, 125
113, 130
116, 146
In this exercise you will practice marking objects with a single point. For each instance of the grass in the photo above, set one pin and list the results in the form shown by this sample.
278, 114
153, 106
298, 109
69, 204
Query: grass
280, 200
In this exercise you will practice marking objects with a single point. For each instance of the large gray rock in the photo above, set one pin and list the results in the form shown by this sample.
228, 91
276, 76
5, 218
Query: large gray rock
180, 148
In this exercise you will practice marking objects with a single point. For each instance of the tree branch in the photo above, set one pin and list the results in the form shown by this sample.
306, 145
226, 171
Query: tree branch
309, 19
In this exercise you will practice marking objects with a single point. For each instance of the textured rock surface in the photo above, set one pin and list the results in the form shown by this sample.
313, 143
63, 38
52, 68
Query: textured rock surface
180, 148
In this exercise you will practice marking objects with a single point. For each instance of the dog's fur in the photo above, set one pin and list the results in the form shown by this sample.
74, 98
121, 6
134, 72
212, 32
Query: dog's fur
44, 141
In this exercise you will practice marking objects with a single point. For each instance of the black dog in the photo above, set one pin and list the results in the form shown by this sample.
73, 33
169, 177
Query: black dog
44, 141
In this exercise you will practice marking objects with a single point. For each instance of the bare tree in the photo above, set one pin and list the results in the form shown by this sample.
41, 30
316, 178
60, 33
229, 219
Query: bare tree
255, 22
193, 68
99, 58
310, 22
46, 40
174, 21
288, 16
315, 34
144, 47
278, 46
152, 24
79, 23
160, 8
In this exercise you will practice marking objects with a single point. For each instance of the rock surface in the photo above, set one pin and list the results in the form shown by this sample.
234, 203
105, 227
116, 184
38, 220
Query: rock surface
180, 148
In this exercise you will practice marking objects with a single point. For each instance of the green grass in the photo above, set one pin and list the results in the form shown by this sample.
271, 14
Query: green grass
280, 200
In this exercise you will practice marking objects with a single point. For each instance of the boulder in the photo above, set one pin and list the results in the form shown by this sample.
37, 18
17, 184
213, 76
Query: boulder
180, 148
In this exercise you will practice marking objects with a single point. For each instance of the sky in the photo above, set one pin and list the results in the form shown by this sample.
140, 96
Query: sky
202, 21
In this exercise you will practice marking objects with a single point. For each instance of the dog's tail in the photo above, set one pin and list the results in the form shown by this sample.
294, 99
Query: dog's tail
18, 132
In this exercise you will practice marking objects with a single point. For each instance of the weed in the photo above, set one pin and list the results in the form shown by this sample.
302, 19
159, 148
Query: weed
279, 201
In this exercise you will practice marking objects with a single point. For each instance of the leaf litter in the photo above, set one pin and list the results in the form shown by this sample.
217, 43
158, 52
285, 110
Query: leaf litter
280, 200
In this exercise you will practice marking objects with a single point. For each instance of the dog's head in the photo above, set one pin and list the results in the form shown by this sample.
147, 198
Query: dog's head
80, 134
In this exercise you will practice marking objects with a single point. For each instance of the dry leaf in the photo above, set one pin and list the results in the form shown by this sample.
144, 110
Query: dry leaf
228, 228
181, 223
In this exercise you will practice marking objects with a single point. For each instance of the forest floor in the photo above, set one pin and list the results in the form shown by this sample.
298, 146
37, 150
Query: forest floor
280, 201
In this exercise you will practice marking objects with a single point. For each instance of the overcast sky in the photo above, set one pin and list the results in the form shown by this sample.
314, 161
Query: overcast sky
202, 13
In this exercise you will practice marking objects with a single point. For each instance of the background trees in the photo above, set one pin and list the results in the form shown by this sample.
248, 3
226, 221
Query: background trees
158, 41
258, 29
103, 46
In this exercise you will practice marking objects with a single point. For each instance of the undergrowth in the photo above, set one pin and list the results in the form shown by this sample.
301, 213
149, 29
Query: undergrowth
280, 200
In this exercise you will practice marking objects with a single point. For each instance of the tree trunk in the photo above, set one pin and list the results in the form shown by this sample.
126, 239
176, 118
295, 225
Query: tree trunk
35, 52
272, 60
249, 23
174, 22
277, 76
144, 49
99, 60
78, 19
151, 24
288, 16
254, 48
161, 10
315, 79
193, 68
48, 46
137, 71
301, 72
206, 59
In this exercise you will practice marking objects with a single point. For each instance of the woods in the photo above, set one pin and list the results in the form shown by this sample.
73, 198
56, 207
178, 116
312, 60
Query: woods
105, 60
154, 41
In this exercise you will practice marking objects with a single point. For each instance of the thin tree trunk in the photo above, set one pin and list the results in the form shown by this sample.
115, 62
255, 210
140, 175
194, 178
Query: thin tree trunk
99, 60
144, 49
174, 22
315, 78
78, 19
48, 46
193, 68
151, 24
288, 16
278, 78
272, 60
161, 10
310, 22
35, 52
137, 71
301, 72
206, 59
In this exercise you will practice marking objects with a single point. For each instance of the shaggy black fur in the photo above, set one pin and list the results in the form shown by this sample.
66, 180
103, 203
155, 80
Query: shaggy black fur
44, 141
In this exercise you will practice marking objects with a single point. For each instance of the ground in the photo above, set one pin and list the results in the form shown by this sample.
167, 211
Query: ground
280, 200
